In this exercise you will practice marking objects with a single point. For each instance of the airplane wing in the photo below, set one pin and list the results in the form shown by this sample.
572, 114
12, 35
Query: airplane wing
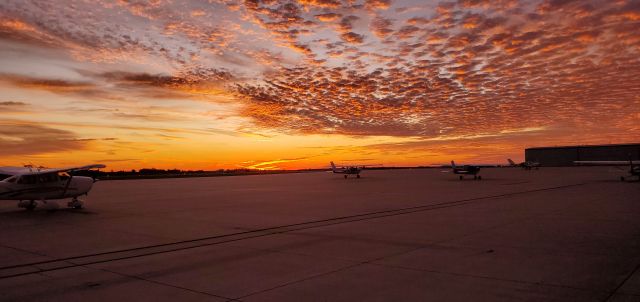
67, 169
460, 165
606, 162
478, 165
14, 170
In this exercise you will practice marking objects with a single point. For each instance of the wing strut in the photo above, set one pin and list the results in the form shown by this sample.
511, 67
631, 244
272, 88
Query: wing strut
67, 186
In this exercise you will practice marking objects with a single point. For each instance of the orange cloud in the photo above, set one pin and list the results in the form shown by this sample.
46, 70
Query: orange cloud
321, 3
328, 17
23, 139
377, 4
53, 85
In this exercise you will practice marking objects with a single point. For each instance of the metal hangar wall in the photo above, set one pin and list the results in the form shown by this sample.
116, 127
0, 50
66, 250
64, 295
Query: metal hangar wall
565, 155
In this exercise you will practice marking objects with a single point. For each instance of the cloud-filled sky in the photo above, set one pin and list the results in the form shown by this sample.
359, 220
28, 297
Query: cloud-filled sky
294, 84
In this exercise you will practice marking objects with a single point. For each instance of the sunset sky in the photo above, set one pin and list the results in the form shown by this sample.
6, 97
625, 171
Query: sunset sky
294, 84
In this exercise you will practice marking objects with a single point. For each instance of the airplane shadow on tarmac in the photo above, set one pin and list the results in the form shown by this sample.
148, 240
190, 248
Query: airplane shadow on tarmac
470, 179
40, 212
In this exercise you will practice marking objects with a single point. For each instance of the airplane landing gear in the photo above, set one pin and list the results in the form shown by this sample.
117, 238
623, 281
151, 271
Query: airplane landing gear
621, 178
29, 205
479, 177
345, 177
357, 175
461, 177
75, 203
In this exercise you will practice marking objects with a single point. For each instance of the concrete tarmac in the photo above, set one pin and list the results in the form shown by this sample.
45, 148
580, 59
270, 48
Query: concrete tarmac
554, 234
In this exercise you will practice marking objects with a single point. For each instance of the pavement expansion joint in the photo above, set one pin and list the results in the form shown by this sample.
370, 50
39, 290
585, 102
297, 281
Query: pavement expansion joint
634, 271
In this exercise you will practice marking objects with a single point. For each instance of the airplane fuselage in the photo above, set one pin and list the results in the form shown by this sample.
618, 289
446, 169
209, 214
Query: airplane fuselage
354, 170
472, 170
45, 190
349, 170
528, 165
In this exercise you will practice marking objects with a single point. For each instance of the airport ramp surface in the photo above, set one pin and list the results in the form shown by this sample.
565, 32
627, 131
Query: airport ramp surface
554, 234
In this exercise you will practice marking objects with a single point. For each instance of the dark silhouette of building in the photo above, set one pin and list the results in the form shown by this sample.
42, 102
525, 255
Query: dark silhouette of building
566, 155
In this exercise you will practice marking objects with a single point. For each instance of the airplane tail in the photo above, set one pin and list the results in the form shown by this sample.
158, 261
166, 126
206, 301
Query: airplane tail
511, 162
333, 167
453, 164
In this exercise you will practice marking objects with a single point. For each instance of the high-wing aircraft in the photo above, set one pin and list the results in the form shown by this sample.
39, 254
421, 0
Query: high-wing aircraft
347, 170
634, 165
527, 165
28, 185
466, 170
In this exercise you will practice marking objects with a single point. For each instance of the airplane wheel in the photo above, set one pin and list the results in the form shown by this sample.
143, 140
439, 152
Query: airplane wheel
31, 206
475, 177
358, 176
621, 178
345, 177
75, 204
479, 177
460, 177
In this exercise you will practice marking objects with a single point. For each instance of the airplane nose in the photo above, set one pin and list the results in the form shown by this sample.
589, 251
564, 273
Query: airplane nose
84, 183
89, 183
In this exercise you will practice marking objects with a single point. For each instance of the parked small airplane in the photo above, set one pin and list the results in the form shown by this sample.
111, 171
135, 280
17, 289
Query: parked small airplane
466, 170
347, 170
28, 185
634, 165
527, 165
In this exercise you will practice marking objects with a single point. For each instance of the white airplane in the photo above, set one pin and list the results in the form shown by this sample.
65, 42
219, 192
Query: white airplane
466, 170
527, 165
634, 165
347, 170
28, 185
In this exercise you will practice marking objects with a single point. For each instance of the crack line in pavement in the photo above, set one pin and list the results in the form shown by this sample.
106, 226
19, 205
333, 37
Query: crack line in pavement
622, 283
159, 283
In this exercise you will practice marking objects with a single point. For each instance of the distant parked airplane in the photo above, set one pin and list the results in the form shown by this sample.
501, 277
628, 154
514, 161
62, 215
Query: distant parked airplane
466, 170
28, 184
347, 170
527, 165
634, 165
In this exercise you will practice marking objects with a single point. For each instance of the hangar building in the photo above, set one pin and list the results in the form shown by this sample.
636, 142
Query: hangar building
565, 155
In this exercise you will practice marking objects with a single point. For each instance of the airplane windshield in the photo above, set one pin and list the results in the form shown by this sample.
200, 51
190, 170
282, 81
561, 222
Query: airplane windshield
27, 179
49, 177
38, 178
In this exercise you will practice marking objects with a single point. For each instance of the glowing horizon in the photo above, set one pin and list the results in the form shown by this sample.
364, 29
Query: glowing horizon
269, 84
